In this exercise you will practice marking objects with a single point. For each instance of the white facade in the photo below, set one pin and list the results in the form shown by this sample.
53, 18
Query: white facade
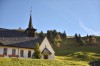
9, 51
45, 44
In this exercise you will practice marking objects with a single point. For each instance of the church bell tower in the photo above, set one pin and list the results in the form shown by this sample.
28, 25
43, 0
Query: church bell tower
30, 30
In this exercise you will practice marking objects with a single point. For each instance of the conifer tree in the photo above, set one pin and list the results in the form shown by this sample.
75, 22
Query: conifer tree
64, 35
78, 40
54, 33
37, 52
76, 36
49, 35
41, 35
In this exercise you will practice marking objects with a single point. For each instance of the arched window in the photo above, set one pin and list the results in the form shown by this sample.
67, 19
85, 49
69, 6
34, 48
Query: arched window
5, 51
13, 52
21, 53
29, 53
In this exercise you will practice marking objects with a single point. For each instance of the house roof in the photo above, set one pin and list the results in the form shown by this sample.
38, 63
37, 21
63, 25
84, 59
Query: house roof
15, 38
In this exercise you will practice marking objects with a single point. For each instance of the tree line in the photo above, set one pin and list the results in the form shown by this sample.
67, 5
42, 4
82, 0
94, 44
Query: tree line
88, 40
54, 37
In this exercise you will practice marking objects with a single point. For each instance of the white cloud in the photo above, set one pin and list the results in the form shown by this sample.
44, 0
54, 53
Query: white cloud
89, 30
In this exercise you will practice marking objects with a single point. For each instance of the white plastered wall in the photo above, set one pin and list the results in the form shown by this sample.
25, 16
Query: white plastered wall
46, 44
9, 51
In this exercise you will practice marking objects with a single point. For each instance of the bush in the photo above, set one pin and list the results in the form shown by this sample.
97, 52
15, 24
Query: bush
37, 52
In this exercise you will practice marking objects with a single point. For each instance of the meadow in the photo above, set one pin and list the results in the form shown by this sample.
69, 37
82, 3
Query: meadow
34, 62
65, 56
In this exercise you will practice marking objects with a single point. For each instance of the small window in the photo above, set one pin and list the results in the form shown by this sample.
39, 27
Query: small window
13, 52
29, 53
21, 53
5, 51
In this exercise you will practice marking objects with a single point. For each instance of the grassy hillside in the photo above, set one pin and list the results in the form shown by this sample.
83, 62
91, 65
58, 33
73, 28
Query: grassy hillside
64, 50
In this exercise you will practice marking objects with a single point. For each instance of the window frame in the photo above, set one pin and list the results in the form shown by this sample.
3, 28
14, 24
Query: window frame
29, 54
5, 51
13, 51
21, 53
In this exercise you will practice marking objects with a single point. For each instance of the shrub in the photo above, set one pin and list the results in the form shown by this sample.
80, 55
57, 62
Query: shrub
37, 52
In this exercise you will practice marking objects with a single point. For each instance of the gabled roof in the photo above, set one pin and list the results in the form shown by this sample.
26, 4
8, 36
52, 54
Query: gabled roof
16, 38
46, 51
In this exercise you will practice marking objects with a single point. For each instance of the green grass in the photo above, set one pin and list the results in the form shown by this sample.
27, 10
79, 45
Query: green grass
64, 50
34, 62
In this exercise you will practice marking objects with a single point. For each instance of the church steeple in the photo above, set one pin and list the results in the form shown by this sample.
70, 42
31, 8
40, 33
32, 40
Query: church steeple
30, 30
30, 22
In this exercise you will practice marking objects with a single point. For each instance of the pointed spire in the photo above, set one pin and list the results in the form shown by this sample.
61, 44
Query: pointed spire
30, 21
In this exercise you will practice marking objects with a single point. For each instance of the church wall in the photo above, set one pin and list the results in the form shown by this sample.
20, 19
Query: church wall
9, 51
46, 44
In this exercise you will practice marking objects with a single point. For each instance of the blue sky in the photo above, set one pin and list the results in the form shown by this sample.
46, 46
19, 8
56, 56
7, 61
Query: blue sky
73, 16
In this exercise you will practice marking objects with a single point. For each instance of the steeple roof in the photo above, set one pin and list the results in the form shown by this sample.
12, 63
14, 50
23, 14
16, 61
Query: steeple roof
30, 23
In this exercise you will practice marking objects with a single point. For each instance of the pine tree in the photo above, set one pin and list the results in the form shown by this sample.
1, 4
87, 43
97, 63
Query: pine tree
76, 36
64, 35
37, 52
78, 40
79, 37
41, 35
49, 35
54, 33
